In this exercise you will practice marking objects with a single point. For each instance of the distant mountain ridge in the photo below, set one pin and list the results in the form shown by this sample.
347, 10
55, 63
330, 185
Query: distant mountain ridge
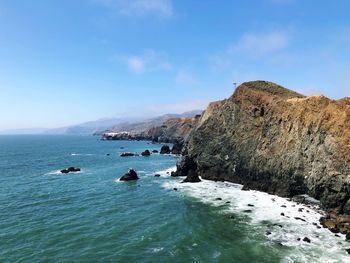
140, 127
99, 126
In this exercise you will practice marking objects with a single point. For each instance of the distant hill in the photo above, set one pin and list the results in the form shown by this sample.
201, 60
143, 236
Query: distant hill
97, 127
139, 127
91, 127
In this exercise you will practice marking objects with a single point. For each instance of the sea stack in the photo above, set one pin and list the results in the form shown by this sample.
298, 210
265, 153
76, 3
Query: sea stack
129, 176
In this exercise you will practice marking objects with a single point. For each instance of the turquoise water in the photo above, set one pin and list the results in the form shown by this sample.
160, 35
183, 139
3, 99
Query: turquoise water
91, 217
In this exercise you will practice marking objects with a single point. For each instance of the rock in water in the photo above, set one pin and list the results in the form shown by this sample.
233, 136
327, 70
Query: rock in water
155, 151
177, 147
129, 176
165, 149
146, 153
70, 170
126, 154
306, 239
73, 169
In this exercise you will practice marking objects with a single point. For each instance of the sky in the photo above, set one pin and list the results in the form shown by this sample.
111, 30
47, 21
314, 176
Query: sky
64, 62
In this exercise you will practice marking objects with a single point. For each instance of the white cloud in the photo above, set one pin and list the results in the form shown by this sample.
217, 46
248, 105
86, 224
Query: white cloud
187, 79
135, 64
157, 8
260, 44
149, 61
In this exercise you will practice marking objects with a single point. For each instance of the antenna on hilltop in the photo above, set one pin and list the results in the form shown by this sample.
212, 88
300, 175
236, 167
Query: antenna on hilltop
235, 84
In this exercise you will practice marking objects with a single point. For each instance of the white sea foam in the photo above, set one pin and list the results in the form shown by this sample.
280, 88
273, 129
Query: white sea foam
265, 215
58, 172
81, 154
166, 172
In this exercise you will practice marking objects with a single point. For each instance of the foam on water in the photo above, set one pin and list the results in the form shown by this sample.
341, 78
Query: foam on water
58, 172
264, 213
81, 154
166, 172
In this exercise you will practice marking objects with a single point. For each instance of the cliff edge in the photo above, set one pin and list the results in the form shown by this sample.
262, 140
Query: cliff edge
275, 140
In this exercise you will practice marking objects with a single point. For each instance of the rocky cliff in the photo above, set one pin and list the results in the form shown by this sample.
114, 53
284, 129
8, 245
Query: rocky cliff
272, 139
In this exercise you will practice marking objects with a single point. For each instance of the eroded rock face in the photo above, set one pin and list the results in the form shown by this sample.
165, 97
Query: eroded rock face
275, 140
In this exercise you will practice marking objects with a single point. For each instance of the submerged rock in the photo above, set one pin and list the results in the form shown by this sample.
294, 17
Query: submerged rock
157, 175
129, 176
155, 151
127, 154
146, 153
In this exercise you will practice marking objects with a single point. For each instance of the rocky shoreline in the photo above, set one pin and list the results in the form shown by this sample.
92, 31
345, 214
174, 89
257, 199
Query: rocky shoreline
272, 139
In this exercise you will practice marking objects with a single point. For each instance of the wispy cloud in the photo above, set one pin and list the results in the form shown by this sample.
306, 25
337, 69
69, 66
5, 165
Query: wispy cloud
139, 8
260, 44
185, 78
149, 61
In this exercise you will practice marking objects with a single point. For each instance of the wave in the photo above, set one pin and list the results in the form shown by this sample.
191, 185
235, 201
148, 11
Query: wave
81, 154
282, 221
166, 172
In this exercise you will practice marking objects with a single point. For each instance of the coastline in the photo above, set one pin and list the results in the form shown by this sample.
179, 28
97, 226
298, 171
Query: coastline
282, 221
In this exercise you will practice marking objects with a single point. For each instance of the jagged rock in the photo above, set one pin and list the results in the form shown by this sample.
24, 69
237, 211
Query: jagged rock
185, 166
126, 154
129, 176
275, 140
192, 178
165, 149
306, 239
347, 237
146, 153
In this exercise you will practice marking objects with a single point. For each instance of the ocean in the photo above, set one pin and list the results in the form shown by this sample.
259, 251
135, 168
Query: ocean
90, 216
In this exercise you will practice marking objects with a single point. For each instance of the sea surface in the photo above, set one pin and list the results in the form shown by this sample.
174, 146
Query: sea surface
91, 216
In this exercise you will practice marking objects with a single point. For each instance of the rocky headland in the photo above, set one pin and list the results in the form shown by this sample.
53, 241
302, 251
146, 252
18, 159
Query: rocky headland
174, 130
272, 139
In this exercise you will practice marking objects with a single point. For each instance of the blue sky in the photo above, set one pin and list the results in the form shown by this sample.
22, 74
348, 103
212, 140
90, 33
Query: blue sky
64, 62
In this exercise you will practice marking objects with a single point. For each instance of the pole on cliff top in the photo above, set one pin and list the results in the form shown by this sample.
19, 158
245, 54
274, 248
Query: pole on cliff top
235, 84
